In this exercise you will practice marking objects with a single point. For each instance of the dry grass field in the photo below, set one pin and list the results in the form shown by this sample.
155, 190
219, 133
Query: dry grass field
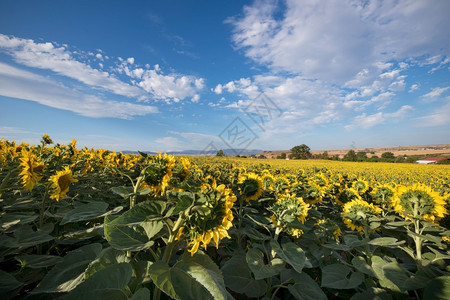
435, 150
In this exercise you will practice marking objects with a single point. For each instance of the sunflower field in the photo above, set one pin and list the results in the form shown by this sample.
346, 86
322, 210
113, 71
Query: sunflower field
96, 224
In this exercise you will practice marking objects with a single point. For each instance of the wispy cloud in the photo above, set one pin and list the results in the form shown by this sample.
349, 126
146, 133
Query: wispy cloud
334, 40
18, 83
140, 83
368, 121
436, 92
440, 117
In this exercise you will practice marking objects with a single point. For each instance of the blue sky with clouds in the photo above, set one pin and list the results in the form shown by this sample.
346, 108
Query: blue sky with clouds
176, 75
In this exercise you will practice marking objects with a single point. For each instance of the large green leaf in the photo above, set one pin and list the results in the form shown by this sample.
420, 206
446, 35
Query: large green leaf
84, 212
290, 253
108, 283
195, 277
393, 276
437, 289
255, 261
362, 266
238, 277
108, 256
69, 272
340, 276
386, 242
10, 219
305, 288
38, 261
161, 276
131, 237
27, 237
141, 294
8, 284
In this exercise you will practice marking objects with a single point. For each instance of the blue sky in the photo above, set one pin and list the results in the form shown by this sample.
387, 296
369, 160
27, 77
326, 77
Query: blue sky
178, 75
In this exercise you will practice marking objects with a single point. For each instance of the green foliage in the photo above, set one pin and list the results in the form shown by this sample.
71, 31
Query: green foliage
300, 152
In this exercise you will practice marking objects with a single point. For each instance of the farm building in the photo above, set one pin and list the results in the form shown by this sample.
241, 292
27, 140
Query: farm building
430, 160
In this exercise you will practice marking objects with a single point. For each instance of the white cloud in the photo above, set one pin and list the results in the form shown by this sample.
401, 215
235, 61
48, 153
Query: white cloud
413, 88
368, 121
61, 61
17, 83
173, 87
142, 85
440, 117
218, 89
436, 92
334, 40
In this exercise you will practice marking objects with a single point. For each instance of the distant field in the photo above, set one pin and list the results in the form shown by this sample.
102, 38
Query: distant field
438, 150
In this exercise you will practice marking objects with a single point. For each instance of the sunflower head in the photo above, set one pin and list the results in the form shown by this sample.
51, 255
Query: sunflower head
313, 192
281, 184
288, 211
360, 185
419, 201
210, 217
46, 140
159, 172
268, 181
327, 230
382, 195
361, 216
347, 195
31, 169
251, 186
61, 182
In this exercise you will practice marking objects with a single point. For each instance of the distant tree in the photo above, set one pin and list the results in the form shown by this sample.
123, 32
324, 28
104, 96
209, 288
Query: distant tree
282, 156
361, 155
300, 152
350, 156
220, 153
325, 155
262, 156
387, 155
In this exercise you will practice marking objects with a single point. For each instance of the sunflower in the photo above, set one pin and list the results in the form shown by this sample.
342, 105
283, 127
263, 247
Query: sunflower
210, 218
360, 185
288, 210
32, 168
327, 229
358, 215
313, 193
281, 184
268, 181
347, 195
251, 186
61, 182
159, 172
46, 140
419, 201
382, 195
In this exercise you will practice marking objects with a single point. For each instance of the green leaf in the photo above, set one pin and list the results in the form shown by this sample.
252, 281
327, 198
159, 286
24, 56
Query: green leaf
10, 219
108, 256
254, 234
37, 261
193, 277
438, 288
305, 288
373, 293
238, 278
353, 241
386, 242
122, 191
8, 284
291, 253
108, 283
69, 272
130, 237
85, 212
27, 237
141, 294
393, 276
336, 276
184, 200
255, 261
161, 276
361, 265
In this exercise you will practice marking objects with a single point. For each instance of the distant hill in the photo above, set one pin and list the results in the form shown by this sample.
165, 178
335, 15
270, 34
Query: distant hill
438, 149
227, 152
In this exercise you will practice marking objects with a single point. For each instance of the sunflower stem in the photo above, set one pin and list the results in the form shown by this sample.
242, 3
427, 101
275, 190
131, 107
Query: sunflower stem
169, 248
417, 239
